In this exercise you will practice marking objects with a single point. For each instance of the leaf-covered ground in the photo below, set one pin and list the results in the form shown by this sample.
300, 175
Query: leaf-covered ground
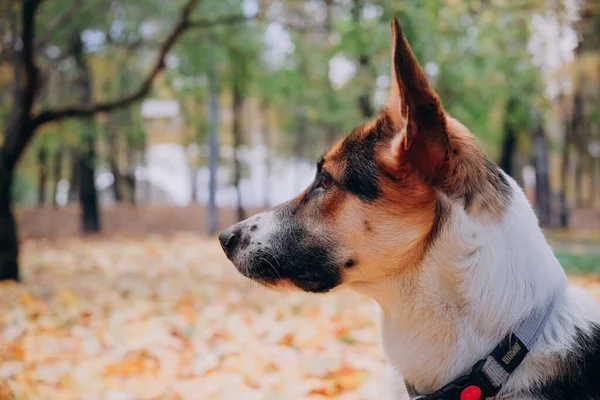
170, 318
160, 318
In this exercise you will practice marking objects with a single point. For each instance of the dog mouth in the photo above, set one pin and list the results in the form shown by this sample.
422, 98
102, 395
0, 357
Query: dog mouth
284, 276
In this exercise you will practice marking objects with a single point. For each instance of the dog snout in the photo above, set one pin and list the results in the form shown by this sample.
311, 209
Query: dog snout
229, 239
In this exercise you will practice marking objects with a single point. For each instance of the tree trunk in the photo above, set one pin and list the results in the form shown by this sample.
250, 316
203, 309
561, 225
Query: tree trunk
595, 182
301, 125
42, 176
508, 150
213, 146
331, 131
364, 99
74, 181
58, 158
570, 131
509, 142
266, 142
9, 245
88, 199
131, 182
300, 146
364, 61
134, 150
578, 180
112, 143
236, 109
193, 183
542, 181
564, 173
130, 177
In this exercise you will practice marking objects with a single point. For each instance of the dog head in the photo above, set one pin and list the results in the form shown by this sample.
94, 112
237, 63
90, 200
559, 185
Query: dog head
379, 196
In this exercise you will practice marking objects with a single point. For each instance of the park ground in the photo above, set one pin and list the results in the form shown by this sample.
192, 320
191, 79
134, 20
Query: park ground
141, 314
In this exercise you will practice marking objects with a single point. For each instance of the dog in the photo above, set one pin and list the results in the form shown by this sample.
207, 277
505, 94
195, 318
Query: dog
408, 210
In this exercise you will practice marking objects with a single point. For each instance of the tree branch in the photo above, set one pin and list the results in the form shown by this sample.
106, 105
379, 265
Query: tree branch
197, 24
89, 109
225, 20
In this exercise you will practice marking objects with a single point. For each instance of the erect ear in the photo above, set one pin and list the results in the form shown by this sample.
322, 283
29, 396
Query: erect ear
416, 112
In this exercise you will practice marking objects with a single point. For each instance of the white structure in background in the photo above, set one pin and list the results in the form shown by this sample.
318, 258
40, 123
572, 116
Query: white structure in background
167, 171
160, 108
166, 176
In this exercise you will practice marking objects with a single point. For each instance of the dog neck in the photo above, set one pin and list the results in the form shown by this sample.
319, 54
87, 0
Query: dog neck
477, 281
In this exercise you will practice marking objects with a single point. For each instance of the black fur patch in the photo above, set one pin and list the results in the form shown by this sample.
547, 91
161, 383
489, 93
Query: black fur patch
442, 212
581, 371
471, 192
499, 179
410, 389
244, 243
362, 174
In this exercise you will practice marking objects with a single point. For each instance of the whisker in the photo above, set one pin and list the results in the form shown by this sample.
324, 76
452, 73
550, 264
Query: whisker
272, 266
273, 256
359, 270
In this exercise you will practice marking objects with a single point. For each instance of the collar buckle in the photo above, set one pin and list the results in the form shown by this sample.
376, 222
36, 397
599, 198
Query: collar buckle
480, 380
473, 386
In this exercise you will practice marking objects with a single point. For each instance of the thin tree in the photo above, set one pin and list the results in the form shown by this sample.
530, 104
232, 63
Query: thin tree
571, 127
238, 94
364, 61
266, 143
509, 141
213, 145
42, 175
542, 173
57, 172
331, 129
88, 197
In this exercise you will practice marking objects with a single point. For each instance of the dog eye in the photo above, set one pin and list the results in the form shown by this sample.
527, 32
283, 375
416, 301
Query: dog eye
325, 181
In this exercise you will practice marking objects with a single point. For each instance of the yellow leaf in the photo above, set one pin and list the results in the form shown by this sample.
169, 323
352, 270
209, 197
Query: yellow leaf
286, 340
5, 392
351, 381
67, 297
12, 352
328, 389
27, 300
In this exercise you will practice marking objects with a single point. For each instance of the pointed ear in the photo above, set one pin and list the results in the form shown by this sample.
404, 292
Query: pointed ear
416, 112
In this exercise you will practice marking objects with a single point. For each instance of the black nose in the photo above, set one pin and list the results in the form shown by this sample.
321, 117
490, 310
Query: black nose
229, 238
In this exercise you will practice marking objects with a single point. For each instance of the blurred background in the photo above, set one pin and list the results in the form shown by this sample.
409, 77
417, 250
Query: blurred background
133, 130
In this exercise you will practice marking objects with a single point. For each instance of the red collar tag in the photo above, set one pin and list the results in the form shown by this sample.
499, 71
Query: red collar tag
470, 393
